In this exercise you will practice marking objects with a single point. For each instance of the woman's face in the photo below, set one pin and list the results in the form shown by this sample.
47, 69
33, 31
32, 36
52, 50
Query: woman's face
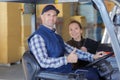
75, 31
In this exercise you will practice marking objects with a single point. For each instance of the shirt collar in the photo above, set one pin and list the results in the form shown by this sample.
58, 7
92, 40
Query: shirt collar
46, 28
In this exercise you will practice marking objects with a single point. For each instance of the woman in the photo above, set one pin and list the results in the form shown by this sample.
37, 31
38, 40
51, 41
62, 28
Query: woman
75, 31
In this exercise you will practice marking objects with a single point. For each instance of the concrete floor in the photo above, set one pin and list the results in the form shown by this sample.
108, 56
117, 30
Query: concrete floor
15, 71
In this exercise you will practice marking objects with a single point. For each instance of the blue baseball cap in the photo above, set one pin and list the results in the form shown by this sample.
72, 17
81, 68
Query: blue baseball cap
50, 7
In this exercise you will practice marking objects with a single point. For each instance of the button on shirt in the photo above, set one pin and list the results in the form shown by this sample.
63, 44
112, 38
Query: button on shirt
37, 46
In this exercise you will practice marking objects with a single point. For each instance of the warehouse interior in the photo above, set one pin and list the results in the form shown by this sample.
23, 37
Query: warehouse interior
16, 21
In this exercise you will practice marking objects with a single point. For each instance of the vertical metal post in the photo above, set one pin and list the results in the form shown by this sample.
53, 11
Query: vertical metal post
33, 20
105, 38
32, 23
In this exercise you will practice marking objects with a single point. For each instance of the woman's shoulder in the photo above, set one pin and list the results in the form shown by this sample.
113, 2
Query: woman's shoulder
69, 41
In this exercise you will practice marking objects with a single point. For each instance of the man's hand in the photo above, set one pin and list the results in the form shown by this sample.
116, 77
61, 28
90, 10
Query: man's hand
99, 54
72, 57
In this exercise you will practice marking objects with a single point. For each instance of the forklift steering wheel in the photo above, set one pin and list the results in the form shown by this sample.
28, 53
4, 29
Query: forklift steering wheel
100, 59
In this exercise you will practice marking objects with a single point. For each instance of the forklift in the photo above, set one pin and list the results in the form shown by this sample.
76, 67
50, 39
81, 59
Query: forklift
32, 68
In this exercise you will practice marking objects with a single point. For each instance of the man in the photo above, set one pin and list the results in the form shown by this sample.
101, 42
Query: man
49, 48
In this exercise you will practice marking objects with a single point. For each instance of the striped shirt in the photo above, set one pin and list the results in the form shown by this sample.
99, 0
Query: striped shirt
37, 46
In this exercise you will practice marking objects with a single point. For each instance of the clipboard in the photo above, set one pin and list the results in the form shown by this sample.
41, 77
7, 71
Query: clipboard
91, 45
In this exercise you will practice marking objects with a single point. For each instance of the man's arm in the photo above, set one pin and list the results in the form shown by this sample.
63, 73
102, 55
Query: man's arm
81, 55
38, 48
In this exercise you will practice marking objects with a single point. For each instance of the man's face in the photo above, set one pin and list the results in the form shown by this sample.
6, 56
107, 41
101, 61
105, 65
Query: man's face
49, 18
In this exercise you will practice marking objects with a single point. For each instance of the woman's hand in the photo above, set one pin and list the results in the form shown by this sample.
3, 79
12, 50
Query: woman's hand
99, 54
83, 49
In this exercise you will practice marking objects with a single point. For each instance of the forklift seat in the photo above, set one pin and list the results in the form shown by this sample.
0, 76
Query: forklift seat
32, 70
30, 66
